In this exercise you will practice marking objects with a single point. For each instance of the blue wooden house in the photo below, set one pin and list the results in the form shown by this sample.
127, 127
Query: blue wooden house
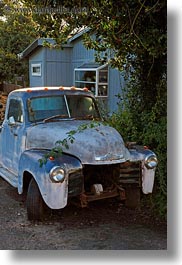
73, 65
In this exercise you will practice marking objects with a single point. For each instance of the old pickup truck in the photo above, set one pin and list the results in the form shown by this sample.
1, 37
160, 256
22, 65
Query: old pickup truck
95, 164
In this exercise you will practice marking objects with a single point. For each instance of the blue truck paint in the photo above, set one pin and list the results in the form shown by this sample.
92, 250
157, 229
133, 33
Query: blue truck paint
55, 195
93, 163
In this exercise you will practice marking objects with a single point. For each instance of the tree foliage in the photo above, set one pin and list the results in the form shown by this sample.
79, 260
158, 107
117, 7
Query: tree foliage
17, 31
131, 36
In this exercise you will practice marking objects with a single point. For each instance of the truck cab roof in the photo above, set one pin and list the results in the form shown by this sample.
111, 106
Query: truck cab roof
38, 91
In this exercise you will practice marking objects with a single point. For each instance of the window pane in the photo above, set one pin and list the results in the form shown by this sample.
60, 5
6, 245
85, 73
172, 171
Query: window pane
102, 90
95, 80
45, 107
89, 76
103, 76
82, 107
90, 86
15, 110
80, 84
36, 69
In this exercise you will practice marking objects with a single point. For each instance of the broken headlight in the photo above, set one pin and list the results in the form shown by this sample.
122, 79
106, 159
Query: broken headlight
151, 161
57, 174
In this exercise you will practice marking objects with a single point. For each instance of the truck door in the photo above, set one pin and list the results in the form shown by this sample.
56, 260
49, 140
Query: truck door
12, 135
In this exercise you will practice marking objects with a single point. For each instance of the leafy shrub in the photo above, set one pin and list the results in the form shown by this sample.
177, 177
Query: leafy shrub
148, 127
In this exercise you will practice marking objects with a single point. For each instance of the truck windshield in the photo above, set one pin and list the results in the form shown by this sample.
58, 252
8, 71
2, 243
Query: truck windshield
62, 107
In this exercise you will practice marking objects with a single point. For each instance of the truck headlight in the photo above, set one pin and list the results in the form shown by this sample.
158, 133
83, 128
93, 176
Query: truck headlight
151, 161
57, 174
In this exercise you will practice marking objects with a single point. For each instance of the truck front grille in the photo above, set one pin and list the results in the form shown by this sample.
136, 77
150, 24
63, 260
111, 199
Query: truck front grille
75, 186
130, 173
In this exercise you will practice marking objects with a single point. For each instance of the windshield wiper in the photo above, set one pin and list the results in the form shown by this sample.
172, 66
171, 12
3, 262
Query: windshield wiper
87, 117
56, 116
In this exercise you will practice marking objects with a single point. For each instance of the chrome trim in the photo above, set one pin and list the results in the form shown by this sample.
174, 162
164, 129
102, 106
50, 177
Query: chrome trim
65, 98
108, 157
59, 177
150, 161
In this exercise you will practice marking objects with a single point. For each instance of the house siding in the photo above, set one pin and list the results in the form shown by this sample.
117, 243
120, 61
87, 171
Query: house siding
80, 54
38, 57
116, 85
58, 69
58, 74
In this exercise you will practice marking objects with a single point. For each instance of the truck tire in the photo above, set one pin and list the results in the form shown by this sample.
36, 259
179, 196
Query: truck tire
35, 203
132, 197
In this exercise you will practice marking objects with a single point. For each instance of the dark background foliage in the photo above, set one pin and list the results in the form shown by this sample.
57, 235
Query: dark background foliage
131, 36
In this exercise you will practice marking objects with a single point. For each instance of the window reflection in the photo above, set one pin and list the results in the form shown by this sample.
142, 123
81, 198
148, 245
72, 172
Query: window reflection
96, 80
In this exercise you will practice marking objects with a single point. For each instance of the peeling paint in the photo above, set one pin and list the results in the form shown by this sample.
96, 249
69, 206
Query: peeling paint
96, 154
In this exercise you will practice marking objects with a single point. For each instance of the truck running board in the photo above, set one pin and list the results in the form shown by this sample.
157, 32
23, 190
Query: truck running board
9, 177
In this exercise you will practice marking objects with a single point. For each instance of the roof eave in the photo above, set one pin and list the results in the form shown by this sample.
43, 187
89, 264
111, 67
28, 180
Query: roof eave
40, 41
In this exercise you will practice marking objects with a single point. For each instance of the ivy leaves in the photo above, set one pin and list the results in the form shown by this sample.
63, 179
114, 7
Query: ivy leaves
64, 144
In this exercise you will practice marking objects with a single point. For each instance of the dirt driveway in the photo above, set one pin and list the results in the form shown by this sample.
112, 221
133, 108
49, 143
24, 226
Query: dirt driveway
104, 225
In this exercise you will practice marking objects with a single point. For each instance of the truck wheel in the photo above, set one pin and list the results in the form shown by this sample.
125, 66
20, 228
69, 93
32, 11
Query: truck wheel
35, 203
132, 197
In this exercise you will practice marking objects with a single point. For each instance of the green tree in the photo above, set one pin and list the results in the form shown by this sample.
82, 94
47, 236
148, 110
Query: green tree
17, 31
130, 35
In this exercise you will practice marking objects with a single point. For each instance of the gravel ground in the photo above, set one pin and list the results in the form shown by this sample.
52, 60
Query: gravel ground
105, 225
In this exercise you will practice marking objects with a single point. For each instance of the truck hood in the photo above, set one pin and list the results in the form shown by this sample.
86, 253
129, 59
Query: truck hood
99, 145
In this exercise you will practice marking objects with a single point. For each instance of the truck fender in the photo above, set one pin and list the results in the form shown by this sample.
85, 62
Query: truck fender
55, 195
139, 153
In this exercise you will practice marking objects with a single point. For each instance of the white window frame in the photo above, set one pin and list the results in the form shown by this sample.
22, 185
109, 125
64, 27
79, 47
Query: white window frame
96, 82
36, 65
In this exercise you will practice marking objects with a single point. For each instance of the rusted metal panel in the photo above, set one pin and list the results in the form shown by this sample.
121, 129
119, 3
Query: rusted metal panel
96, 159
100, 145
130, 173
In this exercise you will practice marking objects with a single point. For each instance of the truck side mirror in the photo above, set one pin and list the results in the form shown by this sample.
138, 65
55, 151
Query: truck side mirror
11, 121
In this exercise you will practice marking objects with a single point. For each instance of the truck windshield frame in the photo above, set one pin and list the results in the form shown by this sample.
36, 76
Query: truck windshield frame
62, 107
